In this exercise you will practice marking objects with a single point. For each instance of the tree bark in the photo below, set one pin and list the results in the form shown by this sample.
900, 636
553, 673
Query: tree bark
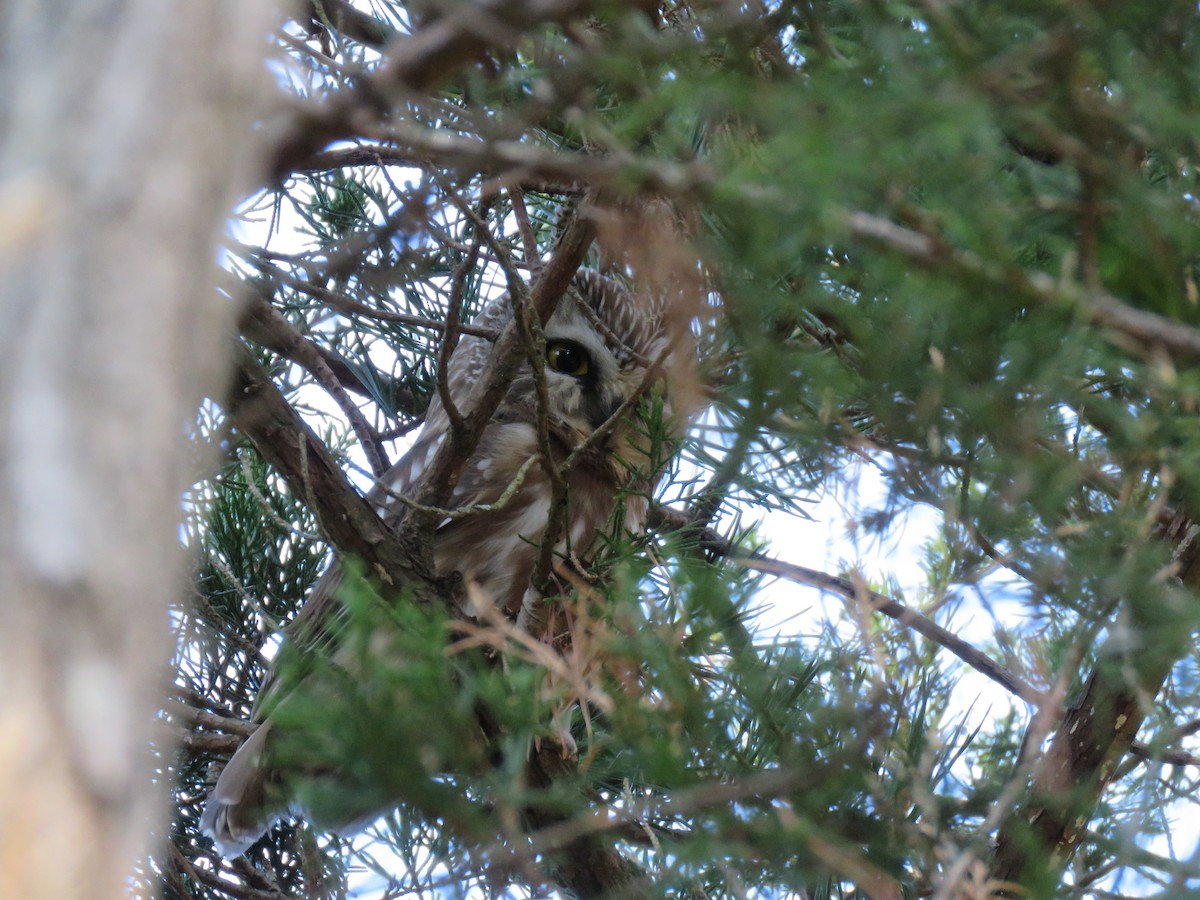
125, 135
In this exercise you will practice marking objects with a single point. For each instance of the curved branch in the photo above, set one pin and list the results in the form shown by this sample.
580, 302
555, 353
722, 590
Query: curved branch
258, 409
416, 63
263, 319
347, 20
711, 542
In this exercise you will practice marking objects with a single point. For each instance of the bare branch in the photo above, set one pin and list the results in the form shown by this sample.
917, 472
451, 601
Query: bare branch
442, 474
213, 880
259, 410
516, 162
346, 19
351, 307
264, 319
199, 718
414, 63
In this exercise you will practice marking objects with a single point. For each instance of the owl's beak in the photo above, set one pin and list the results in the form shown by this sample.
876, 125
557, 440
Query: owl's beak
602, 412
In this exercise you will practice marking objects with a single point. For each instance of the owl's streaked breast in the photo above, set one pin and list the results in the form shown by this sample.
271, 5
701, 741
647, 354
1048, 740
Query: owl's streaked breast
497, 549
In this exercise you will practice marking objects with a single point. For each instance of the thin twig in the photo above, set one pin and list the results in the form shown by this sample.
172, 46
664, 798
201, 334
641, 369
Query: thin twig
453, 325
352, 307
463, 512
438, 479
528, 241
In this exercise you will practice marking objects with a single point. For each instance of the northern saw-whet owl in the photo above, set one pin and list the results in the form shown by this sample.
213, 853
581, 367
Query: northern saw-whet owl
600, 343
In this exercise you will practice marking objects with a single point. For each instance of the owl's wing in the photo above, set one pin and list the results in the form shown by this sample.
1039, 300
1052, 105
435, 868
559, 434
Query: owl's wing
468, 362
464, 369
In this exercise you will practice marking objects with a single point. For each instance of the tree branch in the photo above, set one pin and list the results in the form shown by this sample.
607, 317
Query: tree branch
415, 63
344, 18
257, 409
711, 542
515, 162
757, 787
265, 320
441, 476
1145, 329
1094, 734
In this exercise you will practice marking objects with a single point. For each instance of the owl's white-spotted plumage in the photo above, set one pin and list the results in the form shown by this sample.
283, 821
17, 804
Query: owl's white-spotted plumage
599, 343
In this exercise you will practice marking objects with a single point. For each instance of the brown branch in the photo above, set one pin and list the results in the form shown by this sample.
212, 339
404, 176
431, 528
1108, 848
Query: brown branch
1068, 781
351, 307
1096, 732
909, 618
263, 319
441, 476
257, 409
452, 329
516, 162
344, 18
345, 376
208, 742
199, 718
525, 228
1144, 752
1126, 324
213, 880
413, 64
584, 864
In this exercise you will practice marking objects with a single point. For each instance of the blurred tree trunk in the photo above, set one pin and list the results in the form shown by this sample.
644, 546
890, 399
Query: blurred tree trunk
126, 135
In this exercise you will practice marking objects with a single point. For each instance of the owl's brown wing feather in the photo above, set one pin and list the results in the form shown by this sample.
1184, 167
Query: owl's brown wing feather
245, 801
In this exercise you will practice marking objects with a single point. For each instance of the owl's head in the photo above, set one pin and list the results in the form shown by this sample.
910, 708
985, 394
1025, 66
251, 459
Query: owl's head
600, 343
604, 346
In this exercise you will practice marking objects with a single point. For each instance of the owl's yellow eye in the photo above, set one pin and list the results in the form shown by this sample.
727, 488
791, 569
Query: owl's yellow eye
568, 357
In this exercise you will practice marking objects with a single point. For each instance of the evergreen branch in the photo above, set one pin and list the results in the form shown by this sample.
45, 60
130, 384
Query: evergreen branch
757, 787
1146, 330
711, 542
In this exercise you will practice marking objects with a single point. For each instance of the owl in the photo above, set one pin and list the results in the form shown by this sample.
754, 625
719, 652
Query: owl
604, 345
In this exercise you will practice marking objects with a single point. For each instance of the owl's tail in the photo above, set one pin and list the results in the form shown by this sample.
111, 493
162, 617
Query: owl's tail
238, 811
